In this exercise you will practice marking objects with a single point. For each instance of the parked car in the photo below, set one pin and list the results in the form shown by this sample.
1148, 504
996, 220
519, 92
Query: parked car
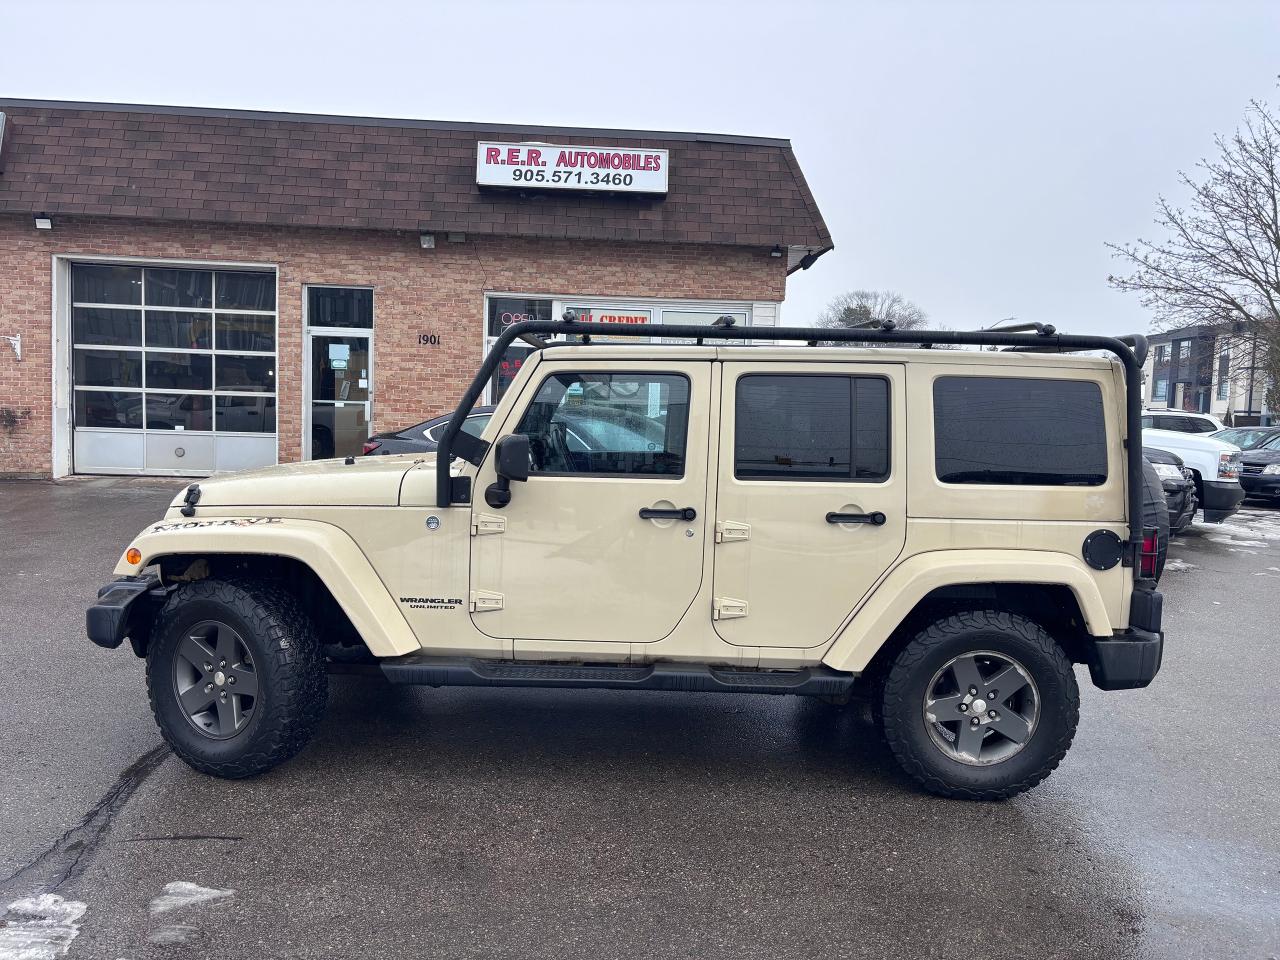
1260, 461
1180, 421
1249, 438
716, 519
424, 437
1214, 465
1179, 487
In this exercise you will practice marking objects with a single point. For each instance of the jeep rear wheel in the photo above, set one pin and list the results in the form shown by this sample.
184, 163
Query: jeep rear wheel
235, 676
981, 705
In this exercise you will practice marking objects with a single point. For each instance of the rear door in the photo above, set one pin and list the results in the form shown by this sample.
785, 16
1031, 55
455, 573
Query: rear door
811, 496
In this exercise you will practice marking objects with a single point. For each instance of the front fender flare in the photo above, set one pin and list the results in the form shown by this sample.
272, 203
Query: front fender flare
875, 620
330, 553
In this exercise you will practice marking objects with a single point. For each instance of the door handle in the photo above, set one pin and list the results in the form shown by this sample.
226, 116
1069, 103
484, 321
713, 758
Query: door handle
876, 519
687, 514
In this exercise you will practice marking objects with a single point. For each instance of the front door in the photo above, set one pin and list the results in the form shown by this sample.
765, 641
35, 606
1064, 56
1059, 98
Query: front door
811, 497
340, 378
580, 553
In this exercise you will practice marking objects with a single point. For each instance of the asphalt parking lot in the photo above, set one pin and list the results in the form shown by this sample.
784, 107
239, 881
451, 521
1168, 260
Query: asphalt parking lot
522, 823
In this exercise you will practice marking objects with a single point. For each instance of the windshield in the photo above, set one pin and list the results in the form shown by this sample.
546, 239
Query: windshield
473, 425
1247, 438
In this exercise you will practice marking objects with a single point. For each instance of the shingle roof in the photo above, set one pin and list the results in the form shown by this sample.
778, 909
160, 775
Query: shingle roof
237, 166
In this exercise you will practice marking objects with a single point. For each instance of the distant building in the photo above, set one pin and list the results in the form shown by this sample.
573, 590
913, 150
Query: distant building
1206, 369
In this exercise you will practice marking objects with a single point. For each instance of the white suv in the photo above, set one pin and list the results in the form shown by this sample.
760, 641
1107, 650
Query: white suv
1180, 421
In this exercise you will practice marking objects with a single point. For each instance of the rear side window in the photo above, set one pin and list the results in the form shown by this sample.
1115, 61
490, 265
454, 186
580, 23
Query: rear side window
811, 427
1019, 431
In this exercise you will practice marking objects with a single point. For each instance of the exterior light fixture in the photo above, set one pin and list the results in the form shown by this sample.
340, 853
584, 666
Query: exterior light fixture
44, 221
427, 241
776, 251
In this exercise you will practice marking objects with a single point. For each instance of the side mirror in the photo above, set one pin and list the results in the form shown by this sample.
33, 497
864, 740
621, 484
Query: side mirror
510, 462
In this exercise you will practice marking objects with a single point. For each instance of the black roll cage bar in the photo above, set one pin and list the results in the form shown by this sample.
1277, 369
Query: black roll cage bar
1031, 337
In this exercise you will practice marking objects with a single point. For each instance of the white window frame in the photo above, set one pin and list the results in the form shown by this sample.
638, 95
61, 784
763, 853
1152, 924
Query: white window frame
63, 399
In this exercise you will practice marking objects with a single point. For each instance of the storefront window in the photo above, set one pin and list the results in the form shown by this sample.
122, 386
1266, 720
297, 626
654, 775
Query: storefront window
504, 311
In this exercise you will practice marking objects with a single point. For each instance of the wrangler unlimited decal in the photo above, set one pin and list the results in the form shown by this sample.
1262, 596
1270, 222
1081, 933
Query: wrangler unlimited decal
431, 603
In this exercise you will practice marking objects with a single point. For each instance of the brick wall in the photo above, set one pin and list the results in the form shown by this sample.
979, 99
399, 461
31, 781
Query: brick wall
415, 291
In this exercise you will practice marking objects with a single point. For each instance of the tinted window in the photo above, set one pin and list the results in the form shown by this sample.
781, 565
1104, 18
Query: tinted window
632, 423
179, 288
340, 307
1200, 426
246, 291
1014, 430
1179, 424
472, 425
811, 427
102, 284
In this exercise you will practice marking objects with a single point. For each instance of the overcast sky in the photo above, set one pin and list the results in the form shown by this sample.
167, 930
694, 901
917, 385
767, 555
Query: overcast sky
972, 156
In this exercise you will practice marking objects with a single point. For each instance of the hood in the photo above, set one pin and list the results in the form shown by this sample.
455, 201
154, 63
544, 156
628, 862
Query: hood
1173, 440
369, 481
1161, 456
1260, 455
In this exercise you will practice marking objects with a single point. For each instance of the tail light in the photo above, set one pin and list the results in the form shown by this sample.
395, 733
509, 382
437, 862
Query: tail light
370, 446
1147, 558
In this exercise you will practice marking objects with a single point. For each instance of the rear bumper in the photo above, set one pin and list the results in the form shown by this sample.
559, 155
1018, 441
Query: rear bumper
1222, 498
1131, 658
124, 609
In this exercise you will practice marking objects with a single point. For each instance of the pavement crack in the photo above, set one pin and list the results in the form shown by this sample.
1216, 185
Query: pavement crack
69, 855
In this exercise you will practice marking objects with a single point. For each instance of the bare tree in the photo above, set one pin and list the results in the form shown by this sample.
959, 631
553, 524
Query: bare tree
1219, 264
859, 306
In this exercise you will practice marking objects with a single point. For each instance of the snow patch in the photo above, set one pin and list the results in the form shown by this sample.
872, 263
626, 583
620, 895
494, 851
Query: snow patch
1177, 565
180, 893
40, 928
174, 933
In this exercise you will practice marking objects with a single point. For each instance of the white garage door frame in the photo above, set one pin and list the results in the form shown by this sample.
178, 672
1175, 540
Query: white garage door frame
63, 433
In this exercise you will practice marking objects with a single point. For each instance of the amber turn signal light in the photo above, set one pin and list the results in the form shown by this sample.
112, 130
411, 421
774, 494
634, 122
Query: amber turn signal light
133, 555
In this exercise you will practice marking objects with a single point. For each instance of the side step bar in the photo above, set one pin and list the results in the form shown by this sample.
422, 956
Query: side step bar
694, 678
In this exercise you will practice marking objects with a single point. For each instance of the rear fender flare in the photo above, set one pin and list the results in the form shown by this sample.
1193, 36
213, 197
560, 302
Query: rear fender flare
330, 553
893, 600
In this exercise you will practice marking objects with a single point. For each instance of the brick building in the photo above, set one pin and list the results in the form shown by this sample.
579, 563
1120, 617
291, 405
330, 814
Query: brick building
194, 290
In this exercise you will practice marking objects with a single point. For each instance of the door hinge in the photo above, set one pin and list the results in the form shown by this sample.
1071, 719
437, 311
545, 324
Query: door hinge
483, 601
727, 608
730, 531
483, 523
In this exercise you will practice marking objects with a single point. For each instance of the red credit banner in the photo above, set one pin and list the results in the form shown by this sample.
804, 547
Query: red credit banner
547, 166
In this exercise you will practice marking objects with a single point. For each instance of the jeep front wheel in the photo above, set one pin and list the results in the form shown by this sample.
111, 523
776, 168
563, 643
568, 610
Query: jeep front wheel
235, 676
981, 705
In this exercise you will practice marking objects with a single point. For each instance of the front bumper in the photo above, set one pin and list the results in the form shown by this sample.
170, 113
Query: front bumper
1180, 497
1222, 498
1131, 658
1261, 484
124, 609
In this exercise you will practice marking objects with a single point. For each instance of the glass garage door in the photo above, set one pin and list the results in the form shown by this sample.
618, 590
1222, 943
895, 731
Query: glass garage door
173, 370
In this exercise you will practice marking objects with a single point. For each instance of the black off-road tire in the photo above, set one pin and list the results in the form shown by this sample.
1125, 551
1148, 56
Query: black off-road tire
902, 705
291, 674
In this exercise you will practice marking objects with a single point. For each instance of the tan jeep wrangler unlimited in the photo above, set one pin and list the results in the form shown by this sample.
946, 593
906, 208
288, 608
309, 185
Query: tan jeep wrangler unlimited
940, 532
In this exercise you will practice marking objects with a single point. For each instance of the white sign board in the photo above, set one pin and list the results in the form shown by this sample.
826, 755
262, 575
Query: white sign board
553, 166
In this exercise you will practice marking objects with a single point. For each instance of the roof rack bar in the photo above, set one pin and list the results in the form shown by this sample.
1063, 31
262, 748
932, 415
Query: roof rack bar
1125, 349
1044, 329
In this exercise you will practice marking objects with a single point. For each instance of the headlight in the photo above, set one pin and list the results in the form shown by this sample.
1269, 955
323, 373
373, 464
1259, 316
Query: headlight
1271, 468
1169, 471
1228, 466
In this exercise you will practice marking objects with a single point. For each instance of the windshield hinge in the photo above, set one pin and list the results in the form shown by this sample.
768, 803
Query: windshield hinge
483, 523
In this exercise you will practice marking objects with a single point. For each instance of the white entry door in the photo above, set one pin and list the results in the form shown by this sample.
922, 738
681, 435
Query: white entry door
339, 371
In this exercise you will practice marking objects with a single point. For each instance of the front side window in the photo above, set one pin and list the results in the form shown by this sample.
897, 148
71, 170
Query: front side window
1019, 431
608, 423
811, 427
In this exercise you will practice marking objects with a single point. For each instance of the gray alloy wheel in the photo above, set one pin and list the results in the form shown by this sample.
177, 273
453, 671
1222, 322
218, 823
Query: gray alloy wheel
981, 708
215, 680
